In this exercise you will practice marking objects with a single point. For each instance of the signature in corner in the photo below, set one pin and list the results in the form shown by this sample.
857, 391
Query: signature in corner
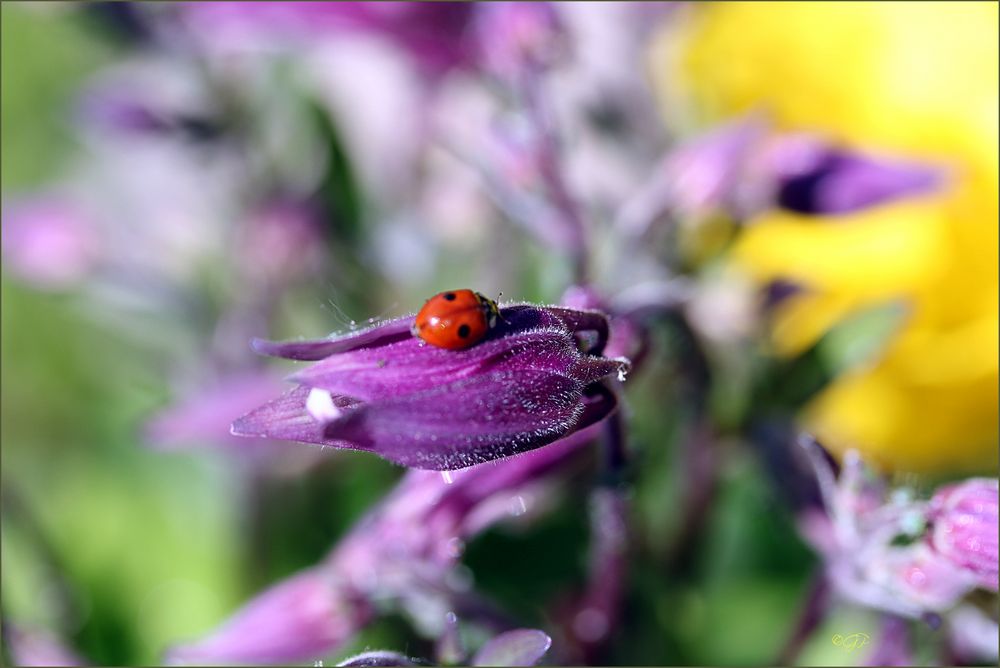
852, 641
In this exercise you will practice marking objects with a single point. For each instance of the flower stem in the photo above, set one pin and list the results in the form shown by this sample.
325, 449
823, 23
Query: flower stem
813, 612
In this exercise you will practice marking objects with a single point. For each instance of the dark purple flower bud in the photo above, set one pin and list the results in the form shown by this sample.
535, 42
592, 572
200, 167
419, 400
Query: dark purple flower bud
535, 379
743, 169
521, 647
965, 522
813, 177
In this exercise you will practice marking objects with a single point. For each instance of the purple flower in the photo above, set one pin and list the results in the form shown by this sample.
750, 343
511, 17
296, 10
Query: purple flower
431, 33
377, 658
48, 241
965, 525
517, 38
744, 169
302, 616
535, 379
203, 417
810, 176
402, 553
877, 547
36, 647
520, 647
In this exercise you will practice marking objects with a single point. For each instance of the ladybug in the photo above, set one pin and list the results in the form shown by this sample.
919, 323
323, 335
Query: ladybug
456, 319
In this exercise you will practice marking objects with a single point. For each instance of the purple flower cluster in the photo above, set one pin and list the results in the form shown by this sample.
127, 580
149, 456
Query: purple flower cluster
403, 553
888, 550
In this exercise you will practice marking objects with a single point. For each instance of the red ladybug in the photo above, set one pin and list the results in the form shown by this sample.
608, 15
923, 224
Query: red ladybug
456, 319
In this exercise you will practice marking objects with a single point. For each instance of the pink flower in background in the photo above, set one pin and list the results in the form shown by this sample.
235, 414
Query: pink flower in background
745, 168
517, 39
36, 647
203, 417
432, 34
965, 526
48, 241
887, 550
303, 616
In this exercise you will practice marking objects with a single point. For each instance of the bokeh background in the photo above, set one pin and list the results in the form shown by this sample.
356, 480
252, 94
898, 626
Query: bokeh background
177, 180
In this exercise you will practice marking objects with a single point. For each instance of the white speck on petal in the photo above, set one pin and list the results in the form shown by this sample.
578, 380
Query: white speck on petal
320, 406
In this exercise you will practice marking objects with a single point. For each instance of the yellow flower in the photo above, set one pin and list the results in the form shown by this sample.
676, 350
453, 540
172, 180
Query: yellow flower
917, 80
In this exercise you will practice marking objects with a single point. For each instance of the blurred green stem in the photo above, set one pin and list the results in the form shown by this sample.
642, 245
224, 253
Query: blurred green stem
14, 508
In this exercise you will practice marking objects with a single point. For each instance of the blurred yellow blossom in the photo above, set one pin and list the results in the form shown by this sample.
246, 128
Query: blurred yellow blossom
916, 80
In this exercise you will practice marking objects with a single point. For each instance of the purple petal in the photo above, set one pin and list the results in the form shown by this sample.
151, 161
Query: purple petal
521, 647
965, 527
516, 318
288, 418
465, 423
317, 349
844, 182
473, 486
378, 658
49, 241
205, 416
304, 617
410, 366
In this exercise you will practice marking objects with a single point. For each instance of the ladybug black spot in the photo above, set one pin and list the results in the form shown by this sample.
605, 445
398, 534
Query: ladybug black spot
450, 296
464, 331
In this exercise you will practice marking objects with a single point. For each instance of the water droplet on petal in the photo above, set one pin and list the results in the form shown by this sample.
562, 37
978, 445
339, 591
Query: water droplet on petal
455, 547
622, 374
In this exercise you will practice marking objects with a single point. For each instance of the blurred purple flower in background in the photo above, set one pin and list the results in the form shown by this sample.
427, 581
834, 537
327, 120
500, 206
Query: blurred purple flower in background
430, 33
203, 417
964, 520
887, 550
385, 391
36, 647
520, 647
880, 553
48, 242
745, 168
518, 39
401, 554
